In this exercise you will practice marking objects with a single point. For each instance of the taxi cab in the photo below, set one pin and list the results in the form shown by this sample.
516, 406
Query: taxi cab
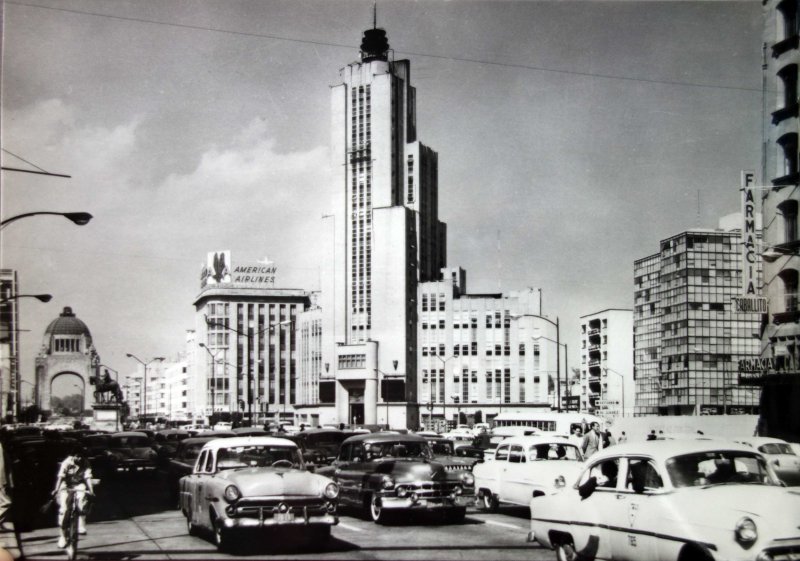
672, 500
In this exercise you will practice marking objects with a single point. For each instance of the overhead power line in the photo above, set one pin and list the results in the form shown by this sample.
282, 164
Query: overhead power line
409, 53
39, 172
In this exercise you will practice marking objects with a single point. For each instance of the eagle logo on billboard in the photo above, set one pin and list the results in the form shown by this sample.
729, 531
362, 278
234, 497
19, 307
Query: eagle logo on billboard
216, 270
220, 270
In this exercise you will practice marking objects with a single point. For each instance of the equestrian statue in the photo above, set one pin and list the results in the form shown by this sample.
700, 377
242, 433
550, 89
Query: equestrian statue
106, 389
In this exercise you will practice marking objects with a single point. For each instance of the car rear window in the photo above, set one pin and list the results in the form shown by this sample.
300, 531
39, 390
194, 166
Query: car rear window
776, 448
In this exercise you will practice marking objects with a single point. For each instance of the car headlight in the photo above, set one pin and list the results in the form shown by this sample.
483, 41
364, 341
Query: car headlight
232, 493
387, 482
467, 479
331, 490
746, 531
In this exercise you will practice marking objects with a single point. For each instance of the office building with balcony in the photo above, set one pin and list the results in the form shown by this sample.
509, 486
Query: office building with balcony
688, 336
606, 370
779, 205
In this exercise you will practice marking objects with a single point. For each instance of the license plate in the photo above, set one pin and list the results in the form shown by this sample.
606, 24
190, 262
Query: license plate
284, 516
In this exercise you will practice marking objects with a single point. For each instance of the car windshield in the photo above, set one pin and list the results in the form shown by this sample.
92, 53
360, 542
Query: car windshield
442, 447
776, 448
397, 449
554, 451
191, 451
129, 442
718, 468
325, 439
258, 456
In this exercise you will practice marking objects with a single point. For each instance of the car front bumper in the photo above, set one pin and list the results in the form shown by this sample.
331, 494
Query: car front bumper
391, 502
274, 521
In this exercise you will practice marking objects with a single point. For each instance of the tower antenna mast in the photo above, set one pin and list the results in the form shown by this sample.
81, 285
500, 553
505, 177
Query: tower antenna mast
375, 15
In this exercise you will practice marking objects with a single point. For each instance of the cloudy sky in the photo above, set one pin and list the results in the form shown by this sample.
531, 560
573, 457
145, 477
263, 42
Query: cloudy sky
572, 137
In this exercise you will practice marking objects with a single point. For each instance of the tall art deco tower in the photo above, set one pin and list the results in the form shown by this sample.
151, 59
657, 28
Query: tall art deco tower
385, 239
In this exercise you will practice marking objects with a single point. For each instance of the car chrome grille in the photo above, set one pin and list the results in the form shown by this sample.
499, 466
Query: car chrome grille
788, 553
262, 509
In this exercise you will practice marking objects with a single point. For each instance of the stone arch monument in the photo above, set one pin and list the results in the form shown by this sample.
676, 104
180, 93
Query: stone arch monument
66, 349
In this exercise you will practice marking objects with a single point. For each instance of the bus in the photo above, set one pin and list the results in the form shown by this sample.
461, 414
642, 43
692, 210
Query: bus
547, 421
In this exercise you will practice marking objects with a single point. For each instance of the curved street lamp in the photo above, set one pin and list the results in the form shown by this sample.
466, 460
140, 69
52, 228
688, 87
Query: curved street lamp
144, 379
39, 297
79, 218
558, 352
213, 356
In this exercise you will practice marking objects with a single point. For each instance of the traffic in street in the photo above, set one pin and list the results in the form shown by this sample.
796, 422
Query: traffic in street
131, 518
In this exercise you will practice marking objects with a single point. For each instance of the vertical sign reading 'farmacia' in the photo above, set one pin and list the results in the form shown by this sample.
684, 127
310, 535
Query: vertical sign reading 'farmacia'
749, 237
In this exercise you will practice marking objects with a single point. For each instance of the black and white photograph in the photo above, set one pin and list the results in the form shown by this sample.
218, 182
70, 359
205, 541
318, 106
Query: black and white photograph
399, 280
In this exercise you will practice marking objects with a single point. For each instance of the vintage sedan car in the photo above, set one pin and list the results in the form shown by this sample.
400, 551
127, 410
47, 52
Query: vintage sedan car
165, 442
182, 462
525, 466
780, 454
387, 473
322, 444
129, 451
671, 500
444, 452
256, 483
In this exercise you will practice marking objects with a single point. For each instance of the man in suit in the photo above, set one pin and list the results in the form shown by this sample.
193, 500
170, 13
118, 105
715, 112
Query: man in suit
593, 441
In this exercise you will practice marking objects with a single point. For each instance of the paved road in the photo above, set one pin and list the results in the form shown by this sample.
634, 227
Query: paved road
132, 519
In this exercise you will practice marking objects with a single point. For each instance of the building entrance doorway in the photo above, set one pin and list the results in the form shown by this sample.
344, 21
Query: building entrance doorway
357, 413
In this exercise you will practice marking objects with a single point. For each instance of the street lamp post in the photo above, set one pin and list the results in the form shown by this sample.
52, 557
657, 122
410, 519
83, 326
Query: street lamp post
144, 380
444, 374
384, 390
558, 369
621, 386
213, 374
558, 353
79, 218
457, 401
250, 335
39, 297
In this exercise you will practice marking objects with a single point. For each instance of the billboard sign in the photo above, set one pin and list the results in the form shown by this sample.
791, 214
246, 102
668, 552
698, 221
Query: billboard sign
216, 269
219, 270
749, 235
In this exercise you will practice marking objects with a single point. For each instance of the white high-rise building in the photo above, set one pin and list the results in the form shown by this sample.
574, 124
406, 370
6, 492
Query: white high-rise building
386, 236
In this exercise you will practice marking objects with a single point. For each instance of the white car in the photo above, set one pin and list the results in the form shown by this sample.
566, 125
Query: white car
223, 425
780, 454
671, 500
256, 483
525, 466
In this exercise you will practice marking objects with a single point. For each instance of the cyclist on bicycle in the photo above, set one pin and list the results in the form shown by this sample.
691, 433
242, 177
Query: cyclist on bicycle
74, 474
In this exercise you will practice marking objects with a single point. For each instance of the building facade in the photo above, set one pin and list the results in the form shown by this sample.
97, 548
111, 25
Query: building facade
386, 238
779, 204
9, 345
606, 373
481, 354
246, 341
689, 337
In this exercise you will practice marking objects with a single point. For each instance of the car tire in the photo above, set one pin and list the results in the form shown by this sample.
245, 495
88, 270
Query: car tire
191, 529
320, 535
565, 551
377, 512
221, 536
490, 502
456, 515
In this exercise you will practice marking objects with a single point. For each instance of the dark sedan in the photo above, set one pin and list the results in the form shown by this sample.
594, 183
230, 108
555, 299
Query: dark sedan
386, 473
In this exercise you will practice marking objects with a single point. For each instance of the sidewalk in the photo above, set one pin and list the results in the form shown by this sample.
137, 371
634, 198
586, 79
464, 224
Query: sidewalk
9, 542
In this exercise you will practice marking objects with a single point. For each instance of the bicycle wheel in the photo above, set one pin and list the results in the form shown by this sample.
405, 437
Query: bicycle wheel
72, 528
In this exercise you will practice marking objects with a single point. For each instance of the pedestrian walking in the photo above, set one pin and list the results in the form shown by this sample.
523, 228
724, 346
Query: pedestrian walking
622, 437
593, 441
